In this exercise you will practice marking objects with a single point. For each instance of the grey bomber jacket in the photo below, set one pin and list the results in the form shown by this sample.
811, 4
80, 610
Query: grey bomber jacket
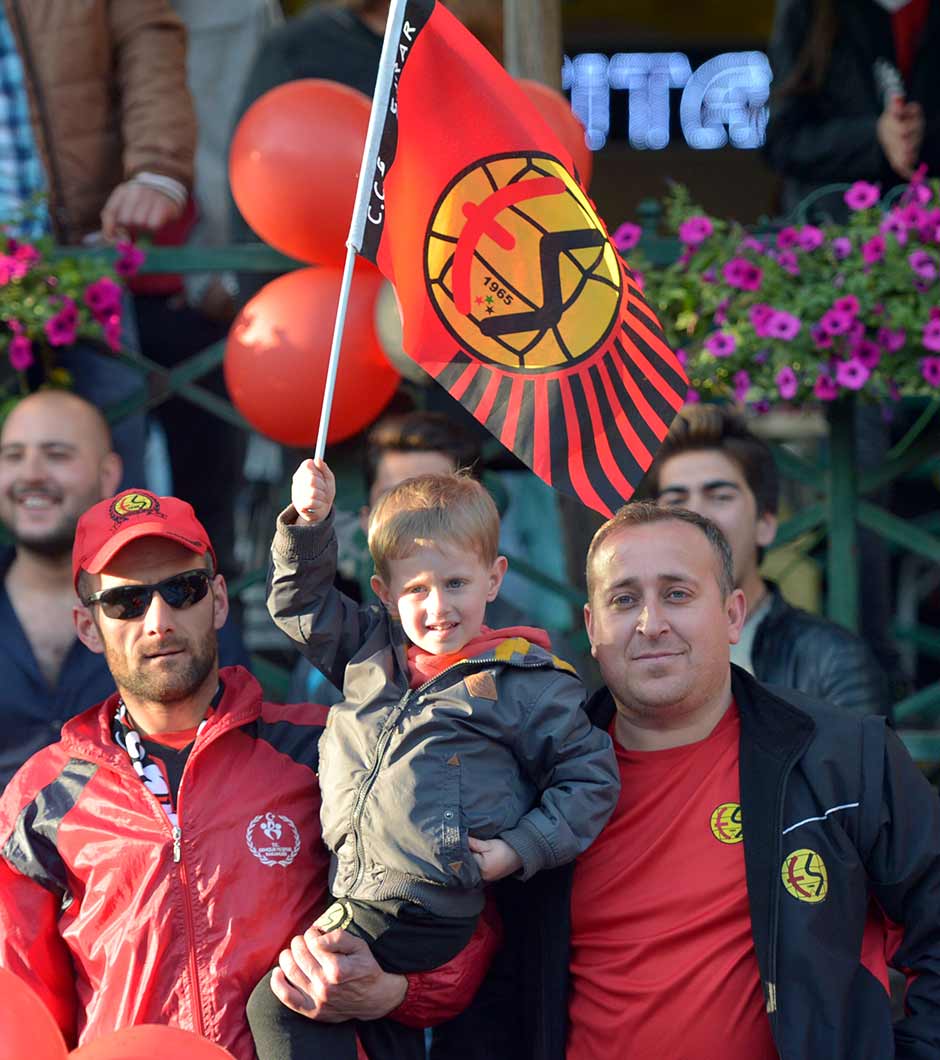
497, 745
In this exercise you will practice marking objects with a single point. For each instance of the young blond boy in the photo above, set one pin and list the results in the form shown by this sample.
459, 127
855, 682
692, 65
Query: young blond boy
460, 754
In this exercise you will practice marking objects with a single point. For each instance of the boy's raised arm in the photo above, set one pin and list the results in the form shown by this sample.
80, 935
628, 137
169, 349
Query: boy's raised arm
327, 626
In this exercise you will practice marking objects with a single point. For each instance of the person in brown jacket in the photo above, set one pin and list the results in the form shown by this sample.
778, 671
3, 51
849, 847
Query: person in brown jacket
96, 116
110, 113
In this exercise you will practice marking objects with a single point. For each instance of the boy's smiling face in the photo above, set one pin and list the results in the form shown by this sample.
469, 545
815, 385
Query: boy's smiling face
440, 595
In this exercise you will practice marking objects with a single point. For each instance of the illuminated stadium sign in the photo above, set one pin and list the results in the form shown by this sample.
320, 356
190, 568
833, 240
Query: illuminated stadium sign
724, 100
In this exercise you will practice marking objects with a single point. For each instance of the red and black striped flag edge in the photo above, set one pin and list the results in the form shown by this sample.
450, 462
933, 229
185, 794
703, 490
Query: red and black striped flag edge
512, 295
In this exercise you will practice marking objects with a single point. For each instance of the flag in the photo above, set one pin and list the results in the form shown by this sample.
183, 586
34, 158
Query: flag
512, 295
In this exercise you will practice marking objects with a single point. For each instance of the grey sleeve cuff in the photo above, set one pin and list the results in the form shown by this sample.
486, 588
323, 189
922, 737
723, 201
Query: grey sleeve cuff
295, 542
529, 843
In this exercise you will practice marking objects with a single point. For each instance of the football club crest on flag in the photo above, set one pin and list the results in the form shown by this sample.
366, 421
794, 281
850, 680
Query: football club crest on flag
512, 295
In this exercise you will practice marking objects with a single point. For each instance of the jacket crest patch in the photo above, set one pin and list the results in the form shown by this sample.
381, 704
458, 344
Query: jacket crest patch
273, 839
482, 685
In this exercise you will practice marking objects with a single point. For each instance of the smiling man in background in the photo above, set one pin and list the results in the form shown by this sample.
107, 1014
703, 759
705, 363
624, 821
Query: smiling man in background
56, 460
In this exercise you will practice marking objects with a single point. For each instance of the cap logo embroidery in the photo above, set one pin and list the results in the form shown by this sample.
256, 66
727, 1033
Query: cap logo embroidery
134, 503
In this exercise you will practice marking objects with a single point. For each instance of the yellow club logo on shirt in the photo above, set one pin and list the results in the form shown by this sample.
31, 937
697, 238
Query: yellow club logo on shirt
725, 823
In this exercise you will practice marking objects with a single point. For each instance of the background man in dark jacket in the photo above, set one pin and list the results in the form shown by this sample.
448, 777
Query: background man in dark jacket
712, 464
767, 859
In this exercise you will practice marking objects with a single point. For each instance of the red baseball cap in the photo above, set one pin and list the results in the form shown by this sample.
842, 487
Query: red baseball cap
111, 524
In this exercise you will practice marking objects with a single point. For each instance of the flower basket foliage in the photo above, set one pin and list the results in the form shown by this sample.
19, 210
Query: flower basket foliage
805, 313
49, 302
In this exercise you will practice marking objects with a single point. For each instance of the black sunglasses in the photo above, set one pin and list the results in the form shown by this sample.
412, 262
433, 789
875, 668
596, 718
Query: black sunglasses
131, 601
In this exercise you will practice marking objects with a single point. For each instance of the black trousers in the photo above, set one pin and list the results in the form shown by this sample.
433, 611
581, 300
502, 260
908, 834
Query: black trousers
403, 938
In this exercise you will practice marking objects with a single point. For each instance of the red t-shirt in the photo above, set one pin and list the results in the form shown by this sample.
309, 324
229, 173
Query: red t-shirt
908, 27
662, 958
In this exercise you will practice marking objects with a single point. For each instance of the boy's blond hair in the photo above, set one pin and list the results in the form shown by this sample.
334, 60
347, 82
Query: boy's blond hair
429, 511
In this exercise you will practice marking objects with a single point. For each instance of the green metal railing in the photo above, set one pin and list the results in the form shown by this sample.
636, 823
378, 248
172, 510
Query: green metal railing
832, 521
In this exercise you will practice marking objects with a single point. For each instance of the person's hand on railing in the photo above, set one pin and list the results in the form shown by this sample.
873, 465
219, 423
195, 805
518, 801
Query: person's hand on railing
312, 491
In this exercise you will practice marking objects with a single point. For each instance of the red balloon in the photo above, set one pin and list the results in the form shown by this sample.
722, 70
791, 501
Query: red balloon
557, 112
148, 1041
294, 163
27, 1028
279, 348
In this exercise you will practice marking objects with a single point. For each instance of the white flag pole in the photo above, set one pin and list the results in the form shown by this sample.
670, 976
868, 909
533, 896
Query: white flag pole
370, 154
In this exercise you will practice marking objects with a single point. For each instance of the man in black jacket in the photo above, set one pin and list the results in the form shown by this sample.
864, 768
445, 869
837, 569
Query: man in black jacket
712, 464
767, 860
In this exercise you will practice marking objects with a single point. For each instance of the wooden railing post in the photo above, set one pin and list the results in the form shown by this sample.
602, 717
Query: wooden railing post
532, 40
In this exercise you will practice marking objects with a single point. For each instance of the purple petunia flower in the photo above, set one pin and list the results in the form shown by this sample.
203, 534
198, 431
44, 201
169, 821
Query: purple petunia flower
112, 332
783, 326
709, 275
913, 215
103, 297
922, 263
761, 408
821, 337
893, 225
862, 195
841, 247
129, 260
695, 230
852, 374
810, 238
856, 333
787, 383
743, 274
721, 344
627, 236
930, 370
61, 329
868, 352
847, 304
787, 261
836, 321
752, 243
788, 237
931, 336
720, 315
692, 397
874, 250
825, 387
759, 315
742, 384
682, 357
891, 339
20, 353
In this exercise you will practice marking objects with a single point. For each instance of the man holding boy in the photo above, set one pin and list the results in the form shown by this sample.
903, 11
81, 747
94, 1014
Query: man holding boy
459, 755
156, 858
767, 859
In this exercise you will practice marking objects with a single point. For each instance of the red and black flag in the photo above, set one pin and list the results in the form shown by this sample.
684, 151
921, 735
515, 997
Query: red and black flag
512, 296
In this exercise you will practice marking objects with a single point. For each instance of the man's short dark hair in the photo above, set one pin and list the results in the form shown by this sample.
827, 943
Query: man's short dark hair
646, 513
701, 427
421, 432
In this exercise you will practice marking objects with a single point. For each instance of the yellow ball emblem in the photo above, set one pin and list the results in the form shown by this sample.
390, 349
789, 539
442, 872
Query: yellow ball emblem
519, 267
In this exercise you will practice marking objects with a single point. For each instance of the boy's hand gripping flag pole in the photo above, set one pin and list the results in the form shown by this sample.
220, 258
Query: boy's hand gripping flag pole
364, 192
512, 295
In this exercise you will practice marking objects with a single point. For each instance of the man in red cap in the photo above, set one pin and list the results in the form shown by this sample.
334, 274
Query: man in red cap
155, 859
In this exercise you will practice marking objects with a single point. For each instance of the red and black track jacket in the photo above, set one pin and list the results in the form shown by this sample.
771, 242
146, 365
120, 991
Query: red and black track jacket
116, 918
